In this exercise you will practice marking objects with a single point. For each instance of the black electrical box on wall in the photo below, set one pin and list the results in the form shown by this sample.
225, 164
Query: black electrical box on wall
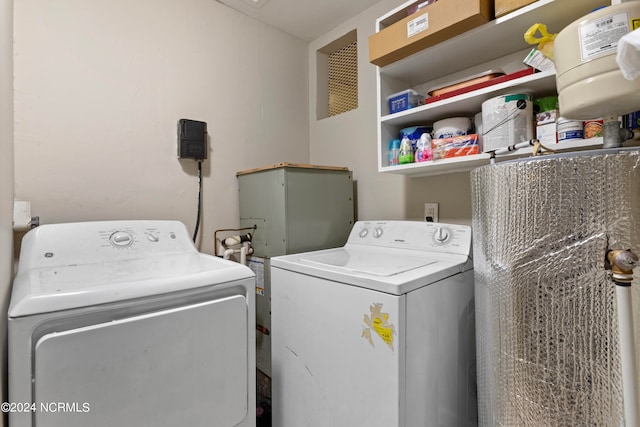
192, 139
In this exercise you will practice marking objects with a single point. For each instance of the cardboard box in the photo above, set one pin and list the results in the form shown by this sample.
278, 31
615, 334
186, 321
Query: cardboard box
433, 24
506, 6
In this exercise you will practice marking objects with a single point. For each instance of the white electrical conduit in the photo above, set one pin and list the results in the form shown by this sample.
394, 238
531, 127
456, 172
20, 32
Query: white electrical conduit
626, 274
627, 351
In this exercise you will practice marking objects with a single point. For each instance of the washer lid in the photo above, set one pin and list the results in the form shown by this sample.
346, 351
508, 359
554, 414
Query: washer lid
368, 262
390, 270
55, 288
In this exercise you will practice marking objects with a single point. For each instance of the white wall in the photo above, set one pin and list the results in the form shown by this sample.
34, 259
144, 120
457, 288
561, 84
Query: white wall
6, 182
451, 191
100, 86
350, 139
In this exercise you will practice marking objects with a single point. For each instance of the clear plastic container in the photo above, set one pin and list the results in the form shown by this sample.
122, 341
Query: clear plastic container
394, 152
404, 100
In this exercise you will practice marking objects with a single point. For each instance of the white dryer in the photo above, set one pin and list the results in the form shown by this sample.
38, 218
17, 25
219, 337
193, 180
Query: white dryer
125, 323
378, 333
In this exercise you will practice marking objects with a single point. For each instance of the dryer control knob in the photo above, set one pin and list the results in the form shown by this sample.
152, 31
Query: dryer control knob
121, 239
377, 232
363, 232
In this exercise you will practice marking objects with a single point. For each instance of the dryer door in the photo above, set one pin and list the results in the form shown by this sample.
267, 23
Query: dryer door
181, 366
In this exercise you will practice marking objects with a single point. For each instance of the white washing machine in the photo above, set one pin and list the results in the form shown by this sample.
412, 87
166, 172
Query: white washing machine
380, 332
125, 323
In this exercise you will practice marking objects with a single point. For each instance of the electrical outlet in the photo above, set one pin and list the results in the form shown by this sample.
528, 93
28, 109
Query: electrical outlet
431, 212
21, 215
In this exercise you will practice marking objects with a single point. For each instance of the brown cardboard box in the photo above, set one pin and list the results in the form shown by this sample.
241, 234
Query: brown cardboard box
434, 24
505, 6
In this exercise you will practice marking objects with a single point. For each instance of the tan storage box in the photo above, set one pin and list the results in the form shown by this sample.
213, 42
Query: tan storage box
505, 6
434, 24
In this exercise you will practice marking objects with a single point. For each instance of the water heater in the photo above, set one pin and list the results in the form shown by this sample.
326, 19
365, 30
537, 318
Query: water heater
548, 337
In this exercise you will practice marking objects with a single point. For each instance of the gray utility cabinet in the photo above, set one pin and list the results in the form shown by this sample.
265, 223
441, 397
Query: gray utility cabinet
295, 208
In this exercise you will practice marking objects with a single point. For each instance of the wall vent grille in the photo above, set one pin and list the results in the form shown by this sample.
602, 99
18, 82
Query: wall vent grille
343, 79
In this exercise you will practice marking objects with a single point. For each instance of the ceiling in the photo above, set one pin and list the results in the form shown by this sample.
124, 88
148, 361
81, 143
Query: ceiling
305, 19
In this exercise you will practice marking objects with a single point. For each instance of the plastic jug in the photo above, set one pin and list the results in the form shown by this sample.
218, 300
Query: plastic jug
406, 151
423, 148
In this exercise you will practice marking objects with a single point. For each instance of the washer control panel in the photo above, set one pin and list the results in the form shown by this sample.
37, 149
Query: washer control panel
415, 235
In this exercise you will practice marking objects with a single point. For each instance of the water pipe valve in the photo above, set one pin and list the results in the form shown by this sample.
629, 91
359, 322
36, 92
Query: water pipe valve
621, 263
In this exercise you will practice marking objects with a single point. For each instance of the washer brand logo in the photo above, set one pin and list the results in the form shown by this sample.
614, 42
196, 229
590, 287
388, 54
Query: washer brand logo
399, 240
378, 322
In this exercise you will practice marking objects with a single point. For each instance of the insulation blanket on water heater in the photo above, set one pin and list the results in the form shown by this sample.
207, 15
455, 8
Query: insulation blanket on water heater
547, 332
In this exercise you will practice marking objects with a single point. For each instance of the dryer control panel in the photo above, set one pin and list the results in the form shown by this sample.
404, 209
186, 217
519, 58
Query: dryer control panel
150, 237
102, 241
413, 235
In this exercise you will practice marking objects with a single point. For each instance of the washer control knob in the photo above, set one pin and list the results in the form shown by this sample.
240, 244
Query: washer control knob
442, 235
121, 239
153, 236
377, 232
363, 232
